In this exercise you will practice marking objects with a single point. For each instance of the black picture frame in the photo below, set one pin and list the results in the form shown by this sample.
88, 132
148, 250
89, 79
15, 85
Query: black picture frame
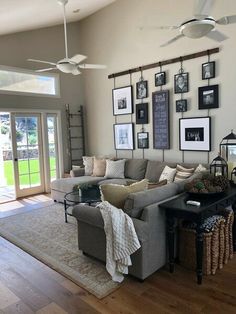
142, 113
124, 136
160, 78
142, 89
143, 140
195, 134
122, 98
208, 70
161, 120
208, 97
181, 83
181, 105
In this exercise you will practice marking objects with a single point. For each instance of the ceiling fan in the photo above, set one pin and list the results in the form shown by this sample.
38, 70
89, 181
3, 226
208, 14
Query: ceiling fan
68, 65
201, 24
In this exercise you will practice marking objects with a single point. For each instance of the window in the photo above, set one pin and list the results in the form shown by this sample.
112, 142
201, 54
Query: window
19, 81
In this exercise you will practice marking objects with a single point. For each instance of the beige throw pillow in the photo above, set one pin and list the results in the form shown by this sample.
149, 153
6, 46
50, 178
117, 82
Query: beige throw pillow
200, 168
116, 194
88, 165
168, 174
99, 167
115, 169
183, 173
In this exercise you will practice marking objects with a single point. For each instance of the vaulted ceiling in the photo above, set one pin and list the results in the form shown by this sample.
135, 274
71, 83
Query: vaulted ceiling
22, 15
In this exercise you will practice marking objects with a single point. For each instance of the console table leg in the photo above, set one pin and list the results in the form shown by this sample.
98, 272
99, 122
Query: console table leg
171, 242
199, 254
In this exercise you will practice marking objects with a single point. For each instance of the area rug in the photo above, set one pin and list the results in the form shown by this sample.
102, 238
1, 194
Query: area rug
43, 234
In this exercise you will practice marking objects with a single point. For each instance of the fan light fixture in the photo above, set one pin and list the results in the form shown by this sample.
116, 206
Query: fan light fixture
197, 29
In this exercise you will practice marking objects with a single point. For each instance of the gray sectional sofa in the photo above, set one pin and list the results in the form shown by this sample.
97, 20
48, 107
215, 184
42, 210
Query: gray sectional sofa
143, 207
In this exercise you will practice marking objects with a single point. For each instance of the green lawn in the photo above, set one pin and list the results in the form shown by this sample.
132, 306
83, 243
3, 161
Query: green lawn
24, 169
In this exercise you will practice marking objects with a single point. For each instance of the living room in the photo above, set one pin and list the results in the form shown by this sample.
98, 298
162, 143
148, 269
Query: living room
123, 35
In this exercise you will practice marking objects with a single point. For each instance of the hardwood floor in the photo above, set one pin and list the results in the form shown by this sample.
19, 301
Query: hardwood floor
28, 286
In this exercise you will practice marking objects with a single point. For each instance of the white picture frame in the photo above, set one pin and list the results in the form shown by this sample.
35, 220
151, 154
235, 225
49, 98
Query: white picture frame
122, 100
124, 136
195, 134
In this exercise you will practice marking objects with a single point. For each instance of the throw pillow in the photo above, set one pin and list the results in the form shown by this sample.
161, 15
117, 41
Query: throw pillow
200, 168
99, 167
116, 194
168, 174
88, 165
183, 173
115, 169
152, 185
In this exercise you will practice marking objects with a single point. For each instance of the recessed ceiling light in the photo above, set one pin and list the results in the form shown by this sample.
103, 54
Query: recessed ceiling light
76, 11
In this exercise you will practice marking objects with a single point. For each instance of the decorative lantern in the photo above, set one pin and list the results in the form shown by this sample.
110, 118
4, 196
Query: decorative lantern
233, 176
228, 150
219, 167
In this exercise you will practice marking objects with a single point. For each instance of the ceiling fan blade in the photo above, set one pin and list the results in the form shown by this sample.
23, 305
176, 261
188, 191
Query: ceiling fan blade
158, 27
45, 70
227, 20
40, 61
78, 58
171, 40
76, 72
217, 36
203, 8
92, 66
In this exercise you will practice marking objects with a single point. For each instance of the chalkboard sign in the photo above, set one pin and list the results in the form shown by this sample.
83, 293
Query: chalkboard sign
161, 130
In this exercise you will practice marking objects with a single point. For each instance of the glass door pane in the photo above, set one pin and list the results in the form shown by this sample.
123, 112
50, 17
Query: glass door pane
52, 146
28, 153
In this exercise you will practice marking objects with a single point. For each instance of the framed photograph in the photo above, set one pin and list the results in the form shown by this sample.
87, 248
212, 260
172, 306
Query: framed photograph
124, 136
143, 140
208, 97
181, 105
195, 134
160, 78
122, 100
208, 70
181, 83
142, 89
142, 113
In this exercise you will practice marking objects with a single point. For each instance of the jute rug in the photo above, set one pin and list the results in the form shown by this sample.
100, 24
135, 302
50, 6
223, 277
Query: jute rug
44, 234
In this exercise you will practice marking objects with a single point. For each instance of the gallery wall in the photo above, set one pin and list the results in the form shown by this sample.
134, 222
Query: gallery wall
45, 44
112, 37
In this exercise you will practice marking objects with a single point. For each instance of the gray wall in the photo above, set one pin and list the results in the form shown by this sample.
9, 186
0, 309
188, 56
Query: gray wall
45, 44
111, 36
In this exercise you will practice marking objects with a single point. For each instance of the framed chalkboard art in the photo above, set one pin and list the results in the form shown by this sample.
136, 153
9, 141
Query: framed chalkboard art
161, 124
195, 134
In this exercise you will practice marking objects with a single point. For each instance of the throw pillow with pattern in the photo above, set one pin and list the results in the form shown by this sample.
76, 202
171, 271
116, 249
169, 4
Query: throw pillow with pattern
183, 173
168, 174
115, 169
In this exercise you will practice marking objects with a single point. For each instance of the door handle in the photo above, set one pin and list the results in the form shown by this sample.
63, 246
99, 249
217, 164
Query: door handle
15, 159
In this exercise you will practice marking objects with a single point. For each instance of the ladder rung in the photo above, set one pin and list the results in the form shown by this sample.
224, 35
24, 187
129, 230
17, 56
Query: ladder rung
75, 126
74, 137
76, 159
75, 114
76, 148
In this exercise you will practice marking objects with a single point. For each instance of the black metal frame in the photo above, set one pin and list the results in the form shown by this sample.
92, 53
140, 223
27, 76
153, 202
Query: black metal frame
202, 89
164, 78
213, 74
187, 83
144, 107
143, 147
132, 103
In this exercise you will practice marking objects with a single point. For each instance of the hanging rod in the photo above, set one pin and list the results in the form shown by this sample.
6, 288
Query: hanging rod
165, 62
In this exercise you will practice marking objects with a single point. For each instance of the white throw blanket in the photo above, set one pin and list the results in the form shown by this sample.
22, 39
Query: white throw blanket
121, 240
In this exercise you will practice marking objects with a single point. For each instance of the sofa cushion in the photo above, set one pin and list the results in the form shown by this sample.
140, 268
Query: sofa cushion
115, 169
116, 194
183, 173
88, 165
99, 167
117, 181
135, 202
155, 168
135, 168
66, 185
168, 174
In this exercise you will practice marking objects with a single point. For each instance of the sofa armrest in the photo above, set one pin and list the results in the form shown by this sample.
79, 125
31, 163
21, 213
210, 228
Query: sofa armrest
79, 172
88, 214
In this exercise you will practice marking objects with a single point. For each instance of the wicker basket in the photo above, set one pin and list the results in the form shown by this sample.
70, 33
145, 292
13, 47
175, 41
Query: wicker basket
222, 243
229, 219
187, 252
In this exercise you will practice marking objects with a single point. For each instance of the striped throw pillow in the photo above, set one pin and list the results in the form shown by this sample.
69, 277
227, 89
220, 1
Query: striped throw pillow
183, 173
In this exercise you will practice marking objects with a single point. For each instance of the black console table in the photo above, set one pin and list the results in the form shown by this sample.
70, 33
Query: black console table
210, 205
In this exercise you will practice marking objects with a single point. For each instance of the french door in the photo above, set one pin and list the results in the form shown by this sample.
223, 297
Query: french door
27, 147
